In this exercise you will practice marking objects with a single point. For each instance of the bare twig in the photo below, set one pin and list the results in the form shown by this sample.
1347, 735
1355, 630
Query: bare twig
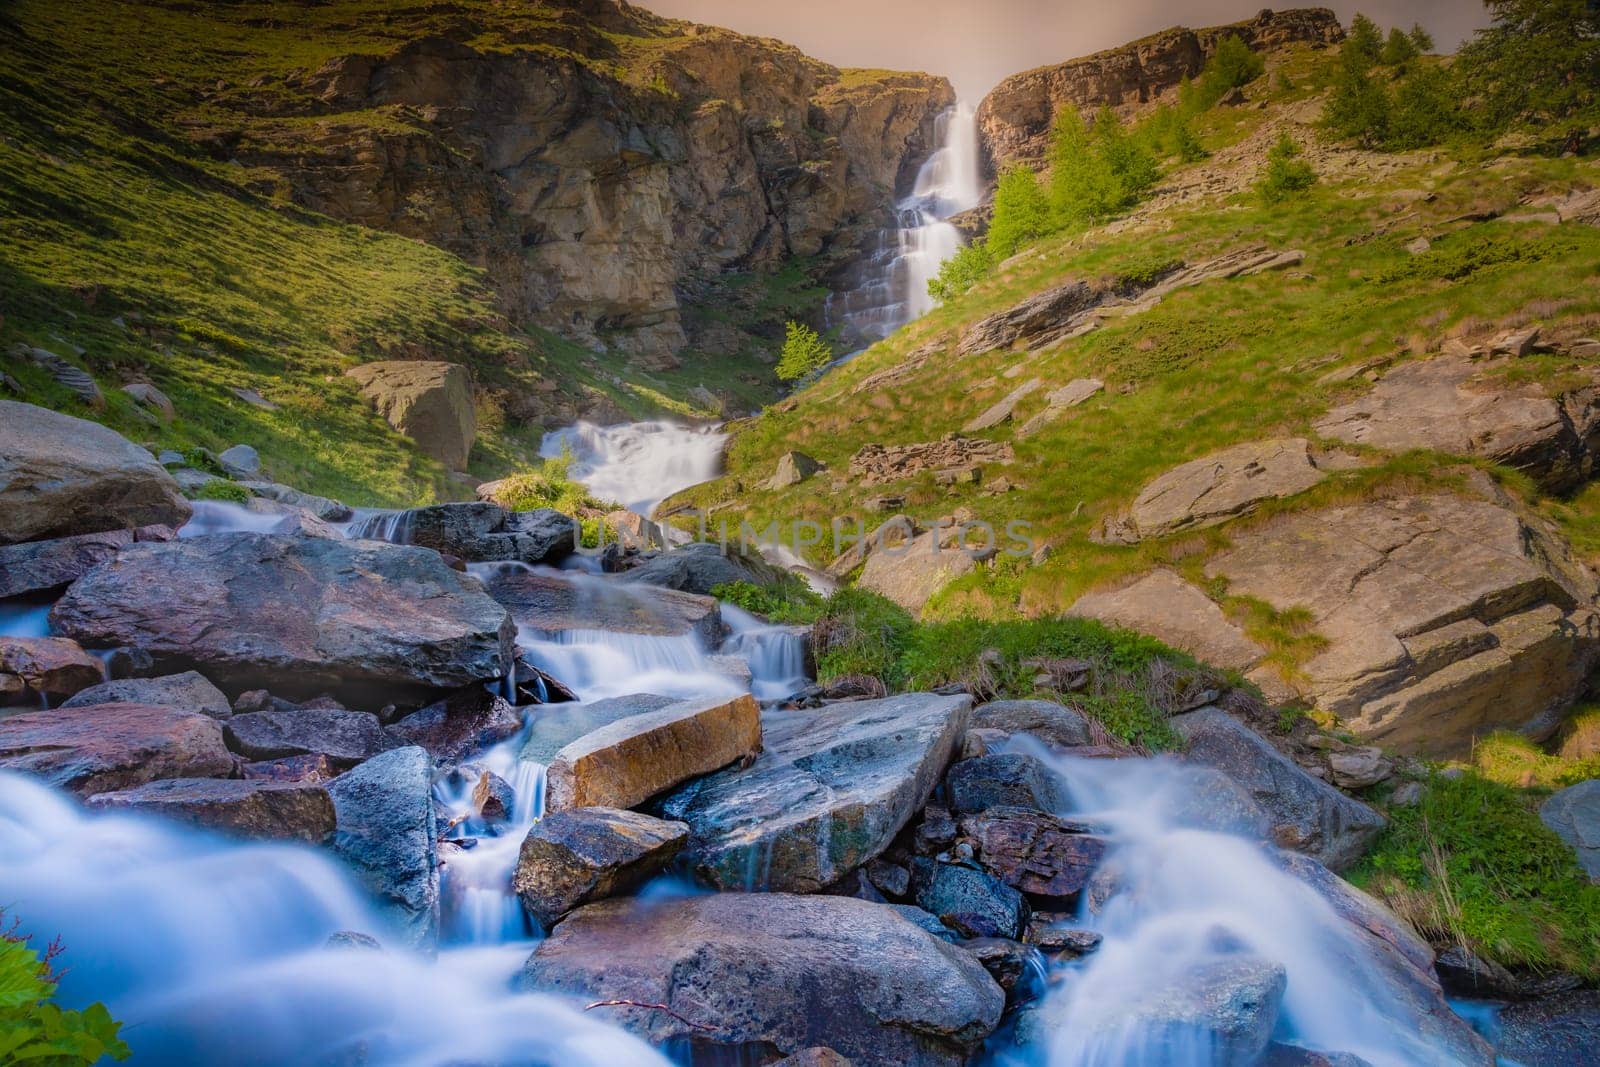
642, 1004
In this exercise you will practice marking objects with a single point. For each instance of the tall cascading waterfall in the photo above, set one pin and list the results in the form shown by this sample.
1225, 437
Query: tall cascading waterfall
891, 285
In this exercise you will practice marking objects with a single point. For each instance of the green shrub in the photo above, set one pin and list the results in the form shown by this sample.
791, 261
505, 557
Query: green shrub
1286, 174
1021, 213
790, 601
1427, 110
862, 633
201, 460
804, 353
33, 1029
961, 271
223, 490
1147, 270
1234, 65
548, 487
1363, 47
1461, 256
1399, 49
1359, 107
1096, 171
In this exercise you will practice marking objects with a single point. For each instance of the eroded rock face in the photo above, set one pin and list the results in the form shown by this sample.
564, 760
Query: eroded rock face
255, 808
1040, 321
387, 833
1165, 606
1014, 119
553, 604
881, 464
576, 857
778, 972
113, 746
1447, 617
303, 616
828, 793
61, 476
427, 401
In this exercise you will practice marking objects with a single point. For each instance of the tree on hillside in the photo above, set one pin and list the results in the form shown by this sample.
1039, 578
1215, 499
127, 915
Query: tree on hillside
1021, 212
1399, 49
1364, 45
1421, 40
1426, 110
1132, 165
1233, 65
1286, 174
804, 353
1539, 60
1359, 108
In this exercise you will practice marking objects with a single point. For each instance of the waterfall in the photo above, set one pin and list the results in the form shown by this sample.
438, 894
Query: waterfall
776, 654
638, 464
891, 287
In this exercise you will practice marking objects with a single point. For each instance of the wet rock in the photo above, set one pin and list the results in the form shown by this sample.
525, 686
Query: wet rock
1053, 939
240, 461
1307, 815
936, 832
61, 476
353, 940
1281, 1055
1006, 961
697, 568
554, 605
1035, 852
634, 759
553, 728
1560, 1031
49, 666
106, 747
345, 737
968, 900
876, 464
926, 921
1054, 724
576, 857
189, 691
1009, 779
367, 620
315, 768
479, 532
1217, 487
319, 506
44, 566
1574, 814
829, 793
813, 1057
1165, 606
1463, 973
493, 798
387, 832
256, 808
890, 878
462, 724
429, 402
793, 468
779, 973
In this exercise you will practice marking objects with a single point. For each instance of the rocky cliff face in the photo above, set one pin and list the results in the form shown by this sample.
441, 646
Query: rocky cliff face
600, 161
1014, 119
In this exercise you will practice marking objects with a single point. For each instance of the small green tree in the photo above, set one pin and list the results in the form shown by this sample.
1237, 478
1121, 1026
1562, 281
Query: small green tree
1082, 186
1021, 212
961, 271
1286, 174
1364, 46
33, 1029
1421, 39
1359, 108
1539, 60
804, 353
1133, 168
1234, 65
1427, 110
1399, 49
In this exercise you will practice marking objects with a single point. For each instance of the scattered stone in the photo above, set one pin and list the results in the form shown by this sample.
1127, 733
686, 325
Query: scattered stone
73, 378
461, 725
553, 605
1307, 815
493, 798
377, 621
386, 833
1007, 779
319, 506
970, 901
813, 1057
1006, 961
1048, 936
776, 971
891, 879
107, 747
253, 398
49, 666
1035, 852
240, 461
296, 811
1165, 606
1054, 724
879, 464
936, 832
1069, 396
61, 476
1419, 246
429, 402
315, 768
793, 468
152, 400
1359, 768
1574, 814
189, 691
829, 793
571, 858
631, 760
1002, 411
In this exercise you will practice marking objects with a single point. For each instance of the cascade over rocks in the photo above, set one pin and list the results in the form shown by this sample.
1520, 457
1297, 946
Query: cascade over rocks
387, 832
107, 747
775, 974
255, 808
304, 616
554, 604
480, 532
61, 476
696, 568
829, 792
429, 402
576, 857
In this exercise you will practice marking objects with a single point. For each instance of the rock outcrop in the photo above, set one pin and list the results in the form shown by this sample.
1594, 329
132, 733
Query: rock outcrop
479, 532
774, 972
880, 464
387, 832
113, 746
427, 401
1165, 606
45, 566
1014, 119
296, 811
1574, 814
61, 476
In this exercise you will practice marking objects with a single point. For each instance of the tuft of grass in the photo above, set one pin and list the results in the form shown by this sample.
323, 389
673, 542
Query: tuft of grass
547, 487
860, 632
789, 601
225, 491
1512, 760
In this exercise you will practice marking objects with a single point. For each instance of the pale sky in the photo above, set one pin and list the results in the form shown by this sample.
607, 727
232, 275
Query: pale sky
975, 43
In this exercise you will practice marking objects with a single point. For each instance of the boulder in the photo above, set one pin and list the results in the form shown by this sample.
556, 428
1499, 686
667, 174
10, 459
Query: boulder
968, 900
240, 461
1165, 606
257, 808
829, 792
1006, 779
315, 769
697, 568
1054, 724
912, 573
1216, 488
633, 759
813, 1057
61, 476
345, 737
107, 747
551, 729
45, 566
49, 666
493, 798
774, 973
152, 400
1559, 1031
68, 375
1002, 410
479, 532
1076, 392
1468, 408
1574, 814
459, 726
1307, 815
429, 402
189, 691
576, 857
369, 620
319, 506
1036, 853
793, 468
1006, 961
1446, 617
387, 832
552, 605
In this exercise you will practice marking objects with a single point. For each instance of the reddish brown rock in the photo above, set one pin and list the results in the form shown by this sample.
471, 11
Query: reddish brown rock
106, 747
1038, 853
49, 666
298, 811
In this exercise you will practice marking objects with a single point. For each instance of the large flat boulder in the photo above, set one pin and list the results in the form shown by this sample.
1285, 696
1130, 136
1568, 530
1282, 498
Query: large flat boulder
61, 476
301, 616
428, 401
554, 727
553, 605
345, 737
478, 532
576, 857
113, 746
1446, 617
1216, 488
771, 972
1165, 606
1469, 408
633, 759
910, 574
45, 566
387, 833
1574, 814
829, 792
189, 691
1307, 815
297, 811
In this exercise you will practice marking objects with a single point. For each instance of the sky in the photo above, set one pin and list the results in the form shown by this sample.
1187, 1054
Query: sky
975, 43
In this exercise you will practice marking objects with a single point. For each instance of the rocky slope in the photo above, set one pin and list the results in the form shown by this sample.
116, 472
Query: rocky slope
1014, 119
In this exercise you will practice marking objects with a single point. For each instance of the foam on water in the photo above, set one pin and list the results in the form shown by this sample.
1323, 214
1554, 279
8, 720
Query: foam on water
638, 464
